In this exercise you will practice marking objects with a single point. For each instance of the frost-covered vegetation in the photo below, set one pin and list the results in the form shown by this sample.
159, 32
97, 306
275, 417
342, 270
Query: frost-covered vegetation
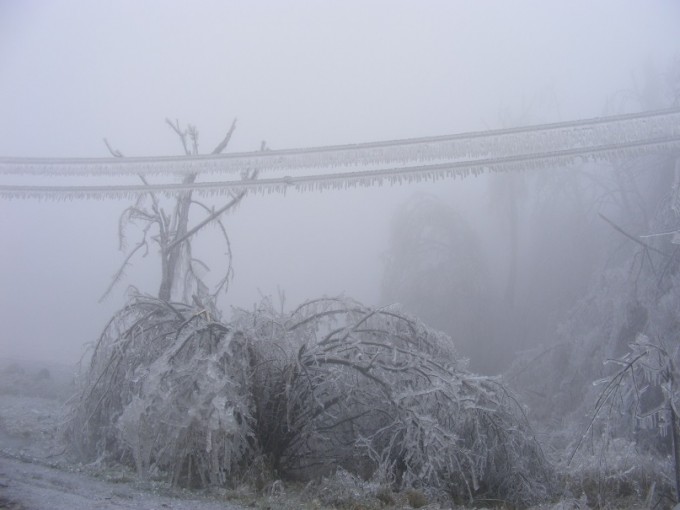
371, 404
603, 390
606, 387
296, 396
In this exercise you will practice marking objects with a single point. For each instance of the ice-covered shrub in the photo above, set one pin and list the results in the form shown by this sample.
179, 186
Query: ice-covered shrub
165, 388
332, 385
336, 384
609, 469
637, 406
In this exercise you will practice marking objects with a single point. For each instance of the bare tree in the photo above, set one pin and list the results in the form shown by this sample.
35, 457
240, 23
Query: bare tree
169, 228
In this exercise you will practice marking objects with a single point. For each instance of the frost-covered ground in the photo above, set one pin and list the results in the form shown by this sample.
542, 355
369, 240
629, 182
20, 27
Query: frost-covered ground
28, 484
35, 470
37, 473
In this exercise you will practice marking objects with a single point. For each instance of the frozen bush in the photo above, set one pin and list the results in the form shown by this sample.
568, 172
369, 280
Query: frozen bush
165, 389
331, 386
336, 384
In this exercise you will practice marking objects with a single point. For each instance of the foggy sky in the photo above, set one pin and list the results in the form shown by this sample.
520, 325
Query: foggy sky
295, 74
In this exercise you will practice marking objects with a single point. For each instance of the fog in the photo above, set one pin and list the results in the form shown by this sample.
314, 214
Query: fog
296, 74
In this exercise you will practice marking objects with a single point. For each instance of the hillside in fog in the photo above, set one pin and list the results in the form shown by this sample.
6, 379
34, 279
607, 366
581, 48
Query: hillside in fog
340, 255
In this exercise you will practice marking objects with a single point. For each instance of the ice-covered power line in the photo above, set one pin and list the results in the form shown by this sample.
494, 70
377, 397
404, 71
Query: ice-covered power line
350, 179
547, 145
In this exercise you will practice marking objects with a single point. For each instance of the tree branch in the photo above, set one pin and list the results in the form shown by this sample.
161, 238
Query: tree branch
223, 144
182, 134
203, 223
114, 152
121, 270
629, 236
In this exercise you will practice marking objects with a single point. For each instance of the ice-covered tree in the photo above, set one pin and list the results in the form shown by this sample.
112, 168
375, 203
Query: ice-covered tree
165, 223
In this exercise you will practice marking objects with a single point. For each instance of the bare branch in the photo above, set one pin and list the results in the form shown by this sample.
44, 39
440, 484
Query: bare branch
182, 134
223, 144
115, 153
230, 271
631, 237
613, 385
203, 223
121, 270
193, 134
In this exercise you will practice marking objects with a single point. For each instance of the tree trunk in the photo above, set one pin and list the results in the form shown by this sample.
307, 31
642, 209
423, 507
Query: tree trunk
172, 252
676, 451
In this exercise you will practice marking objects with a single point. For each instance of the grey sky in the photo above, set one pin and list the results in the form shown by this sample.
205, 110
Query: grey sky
296, 74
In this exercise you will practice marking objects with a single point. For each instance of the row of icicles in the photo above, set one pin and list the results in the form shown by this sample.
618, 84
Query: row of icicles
545, 146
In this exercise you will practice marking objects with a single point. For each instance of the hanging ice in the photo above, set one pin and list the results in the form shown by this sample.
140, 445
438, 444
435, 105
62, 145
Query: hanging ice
366, 164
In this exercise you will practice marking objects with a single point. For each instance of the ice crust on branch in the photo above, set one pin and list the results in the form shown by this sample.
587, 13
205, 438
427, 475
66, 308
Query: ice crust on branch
162, 393
331, 385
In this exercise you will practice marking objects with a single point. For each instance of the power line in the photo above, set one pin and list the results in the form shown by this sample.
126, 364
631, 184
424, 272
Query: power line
536, 139
345, 179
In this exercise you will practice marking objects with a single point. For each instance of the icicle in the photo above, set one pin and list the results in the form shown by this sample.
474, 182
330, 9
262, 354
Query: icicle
617, 130
352, 179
